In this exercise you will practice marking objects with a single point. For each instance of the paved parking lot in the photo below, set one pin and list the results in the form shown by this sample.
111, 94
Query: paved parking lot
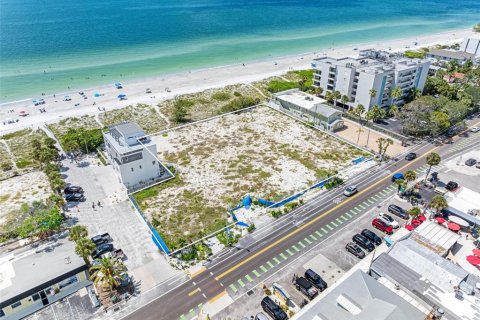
327, 257
117, 217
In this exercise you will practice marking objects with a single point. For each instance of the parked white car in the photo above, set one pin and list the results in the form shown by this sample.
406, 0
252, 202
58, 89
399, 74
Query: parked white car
388, 220
475, 129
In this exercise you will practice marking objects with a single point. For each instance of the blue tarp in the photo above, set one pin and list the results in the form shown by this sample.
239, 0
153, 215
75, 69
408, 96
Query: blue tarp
157, 239
265, 202
242, 224
320, 184
287, 200
247, 201
358, 160
121, 95
234, 217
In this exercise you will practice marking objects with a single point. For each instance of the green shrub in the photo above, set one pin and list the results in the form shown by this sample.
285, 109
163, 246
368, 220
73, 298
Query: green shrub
22, 163
221, 96
238, 104
280, 85
237, 94
276, 213
251, 228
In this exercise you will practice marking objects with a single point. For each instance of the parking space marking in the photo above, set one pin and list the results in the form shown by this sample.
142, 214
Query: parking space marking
301, 243
339, 221
192, 312
284, 257
296, 249
370, 201
263, 268
360, 205
319, 234
348, 214
248, 278
271, 265
334, 224
313, 237
182, 317
241, 283
365, 203
344, 218
324, 230
329, 227
233, 288
255, 272
289, 252
357, 209
307, 241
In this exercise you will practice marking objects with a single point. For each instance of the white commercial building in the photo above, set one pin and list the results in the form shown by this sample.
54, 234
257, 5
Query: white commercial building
356, 77
308, 108
471, 45
133, 156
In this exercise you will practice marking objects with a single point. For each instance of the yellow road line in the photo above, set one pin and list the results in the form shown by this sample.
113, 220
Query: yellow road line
315, 219
196, 273
218, 296
193, 292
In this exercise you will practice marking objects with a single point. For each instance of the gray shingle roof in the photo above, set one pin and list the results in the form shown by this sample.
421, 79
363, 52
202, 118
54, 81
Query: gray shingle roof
451, 54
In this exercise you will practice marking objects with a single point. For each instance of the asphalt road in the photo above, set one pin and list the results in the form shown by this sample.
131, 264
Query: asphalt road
264, 245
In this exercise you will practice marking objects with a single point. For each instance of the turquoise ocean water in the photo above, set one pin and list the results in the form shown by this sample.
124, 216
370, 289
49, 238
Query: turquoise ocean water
50, 45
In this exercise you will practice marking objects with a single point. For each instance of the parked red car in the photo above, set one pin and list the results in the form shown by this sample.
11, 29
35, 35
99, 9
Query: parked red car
382, 226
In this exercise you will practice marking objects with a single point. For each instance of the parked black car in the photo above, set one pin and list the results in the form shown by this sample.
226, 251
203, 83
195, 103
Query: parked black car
315, 279
363, 242
355, 250
470, 162
372, 236
399, 212
451, 185
306, 287
410, 156
73, 189
101, 239
101, 249
74, 197
273, 309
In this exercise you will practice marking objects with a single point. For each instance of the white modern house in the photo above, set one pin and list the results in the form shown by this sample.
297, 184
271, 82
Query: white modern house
471, 45
443, 56
380, 71
308, 108
133, 156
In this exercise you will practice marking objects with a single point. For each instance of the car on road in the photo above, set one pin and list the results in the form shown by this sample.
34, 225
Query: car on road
73, 189
355, 250
315, 279
372, 236
397, 176
388, 220
350, 191
261, 316
382, 226
470, 162
102, 249
474, 129
451, 185
306, 287
273, 309
399, 212
102, 239
363, 242
410, 156
74, 197
478, 165
450, 133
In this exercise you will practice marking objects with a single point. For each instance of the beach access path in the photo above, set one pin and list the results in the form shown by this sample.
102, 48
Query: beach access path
169, 86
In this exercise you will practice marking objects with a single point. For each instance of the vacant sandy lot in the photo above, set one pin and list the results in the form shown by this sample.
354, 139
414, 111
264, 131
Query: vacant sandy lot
259, 152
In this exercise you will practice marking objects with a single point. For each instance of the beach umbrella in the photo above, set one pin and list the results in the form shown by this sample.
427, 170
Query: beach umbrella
122, 95
453, 226
473, 260
416, 223
476, 252
422, 218
409, 227
97, 94
440, 220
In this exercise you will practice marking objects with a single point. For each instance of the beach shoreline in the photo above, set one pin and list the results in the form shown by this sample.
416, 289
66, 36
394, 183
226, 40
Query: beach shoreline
167, 86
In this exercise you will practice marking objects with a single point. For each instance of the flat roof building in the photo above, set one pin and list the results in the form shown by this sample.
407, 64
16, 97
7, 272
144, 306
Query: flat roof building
471, 45
445, 55
308, 108
33, 279
360, 297
133, 156
372, 70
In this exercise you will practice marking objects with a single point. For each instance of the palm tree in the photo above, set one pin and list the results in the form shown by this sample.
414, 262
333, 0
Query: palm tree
344, 100
414, 94
414, 212
368, 117
433, 159
410, 175
57, 184
400, 183
373, 94
438, 203
396, 93
84, 248
358, 111
336, 95
107, 272
77, 232
393, 111
329, 96
318, 91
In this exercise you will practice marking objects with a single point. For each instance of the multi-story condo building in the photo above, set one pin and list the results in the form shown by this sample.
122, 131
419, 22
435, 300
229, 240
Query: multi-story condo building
133, 156
356, 77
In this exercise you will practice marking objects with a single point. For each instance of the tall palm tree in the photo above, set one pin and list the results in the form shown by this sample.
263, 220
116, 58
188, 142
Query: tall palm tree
77, 232
400, 183
344, 100
438, 203
393, 111
84, 248
396, 93
107, 272
410, 175
318, 91
414, 212
433, 159
373, 94
336, 95
368, 117
329, 96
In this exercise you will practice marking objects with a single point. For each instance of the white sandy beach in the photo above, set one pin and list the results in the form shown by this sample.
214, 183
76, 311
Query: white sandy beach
193, 81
